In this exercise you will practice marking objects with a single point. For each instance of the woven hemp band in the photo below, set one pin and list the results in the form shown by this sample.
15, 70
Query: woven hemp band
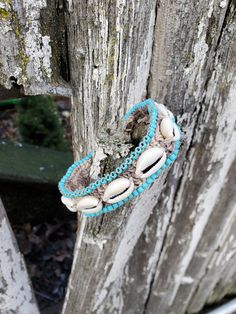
156, 151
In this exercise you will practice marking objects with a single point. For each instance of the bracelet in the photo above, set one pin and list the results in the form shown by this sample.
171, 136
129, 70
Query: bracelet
128, 161
157, 150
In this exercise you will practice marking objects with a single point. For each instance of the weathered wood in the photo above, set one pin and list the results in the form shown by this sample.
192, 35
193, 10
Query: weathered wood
226, 282
16, 295
110, 46
159, 281
163, 253
110, 53
201, 204
27, 45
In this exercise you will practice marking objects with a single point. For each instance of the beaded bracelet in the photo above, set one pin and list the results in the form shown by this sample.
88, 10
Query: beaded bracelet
157, 150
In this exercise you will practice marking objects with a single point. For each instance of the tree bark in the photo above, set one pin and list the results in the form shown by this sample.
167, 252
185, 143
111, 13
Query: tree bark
15, 290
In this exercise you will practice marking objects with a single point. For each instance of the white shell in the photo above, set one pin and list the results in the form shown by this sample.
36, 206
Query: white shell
163, 112
118, 190
167, 128
89, 204
170, 114
70, 203
153, 156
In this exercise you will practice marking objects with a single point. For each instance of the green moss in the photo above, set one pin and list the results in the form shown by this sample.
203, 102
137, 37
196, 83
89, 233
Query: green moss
21, 56
234, 49
4, 14
23, 61
16, 27
111, 61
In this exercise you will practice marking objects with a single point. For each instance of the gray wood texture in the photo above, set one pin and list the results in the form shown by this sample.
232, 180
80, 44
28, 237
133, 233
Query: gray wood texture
172, 250
33, 52
16, 295
166, 268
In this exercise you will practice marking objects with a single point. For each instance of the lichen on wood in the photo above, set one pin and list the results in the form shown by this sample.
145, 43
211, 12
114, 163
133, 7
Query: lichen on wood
25, 52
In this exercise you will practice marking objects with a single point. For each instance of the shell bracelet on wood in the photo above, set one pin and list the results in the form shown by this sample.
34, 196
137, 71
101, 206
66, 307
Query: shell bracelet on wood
155, 152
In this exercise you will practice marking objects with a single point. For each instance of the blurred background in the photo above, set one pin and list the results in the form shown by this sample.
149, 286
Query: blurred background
35, 151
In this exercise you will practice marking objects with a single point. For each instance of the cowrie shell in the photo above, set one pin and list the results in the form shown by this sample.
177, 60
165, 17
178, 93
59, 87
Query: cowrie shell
69, 203
89, 204
150, 161
118, 190
163, 112
169, 129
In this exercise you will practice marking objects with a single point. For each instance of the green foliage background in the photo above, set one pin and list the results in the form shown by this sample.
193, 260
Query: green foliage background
39, 122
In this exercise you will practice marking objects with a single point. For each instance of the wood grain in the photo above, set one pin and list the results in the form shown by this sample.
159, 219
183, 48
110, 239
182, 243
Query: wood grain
192, 71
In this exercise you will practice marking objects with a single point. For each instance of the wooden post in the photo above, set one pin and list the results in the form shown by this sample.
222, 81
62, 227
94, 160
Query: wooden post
146, 258
172, 249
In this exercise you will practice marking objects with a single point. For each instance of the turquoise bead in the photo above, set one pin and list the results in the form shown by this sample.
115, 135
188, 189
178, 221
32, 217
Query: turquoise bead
149, 180
147, 138
144, 185
129, 197
168, 161
140, 189
163, 167
113, 175
158, 172
124, 166
172, 157
151, 133
119, 170
129, 161
153, 177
